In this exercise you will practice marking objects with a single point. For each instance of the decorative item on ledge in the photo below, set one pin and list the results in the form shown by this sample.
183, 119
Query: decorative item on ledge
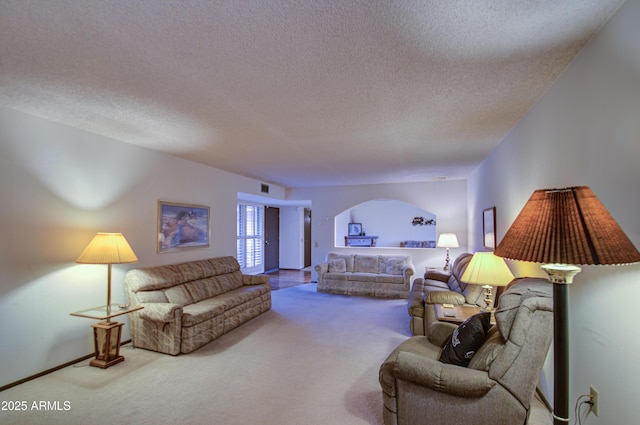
369, 241
355, 229
561, 228
420, 221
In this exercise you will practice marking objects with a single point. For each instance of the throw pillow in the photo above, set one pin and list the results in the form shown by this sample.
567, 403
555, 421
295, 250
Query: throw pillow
338, 265
466, 339
395, 266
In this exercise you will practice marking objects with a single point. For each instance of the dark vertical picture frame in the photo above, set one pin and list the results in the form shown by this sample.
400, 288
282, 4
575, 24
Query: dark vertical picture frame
489, 228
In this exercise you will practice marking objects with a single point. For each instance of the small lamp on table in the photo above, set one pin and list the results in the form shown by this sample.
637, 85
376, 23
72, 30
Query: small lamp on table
487, 270
447, 240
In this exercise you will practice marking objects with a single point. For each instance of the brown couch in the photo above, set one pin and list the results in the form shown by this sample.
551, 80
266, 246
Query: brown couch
439, 287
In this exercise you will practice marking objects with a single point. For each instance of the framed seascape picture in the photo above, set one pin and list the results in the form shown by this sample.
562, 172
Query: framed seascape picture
182, 226
489, 228
355, 229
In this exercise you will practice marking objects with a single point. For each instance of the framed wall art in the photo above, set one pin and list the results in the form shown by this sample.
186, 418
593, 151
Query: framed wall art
355, 229
489, 228
182, 226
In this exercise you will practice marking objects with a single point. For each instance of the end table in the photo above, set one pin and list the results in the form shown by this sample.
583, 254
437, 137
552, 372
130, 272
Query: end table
106, 334
457, 314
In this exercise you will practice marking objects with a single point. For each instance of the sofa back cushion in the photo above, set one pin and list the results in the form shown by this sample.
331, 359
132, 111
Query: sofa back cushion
184, 283
394, 265
366, 264
337, 265
348, 260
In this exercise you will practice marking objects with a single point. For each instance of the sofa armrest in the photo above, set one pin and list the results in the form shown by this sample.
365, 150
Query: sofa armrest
322, 268
444, 297
408, 270
451, 379
254, 279
160, 312
434, 274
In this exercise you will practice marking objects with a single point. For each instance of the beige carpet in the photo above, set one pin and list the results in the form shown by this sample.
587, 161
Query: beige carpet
312, 359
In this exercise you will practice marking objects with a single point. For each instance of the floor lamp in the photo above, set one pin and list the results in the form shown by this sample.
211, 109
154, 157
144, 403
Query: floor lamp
562, 228
107, 248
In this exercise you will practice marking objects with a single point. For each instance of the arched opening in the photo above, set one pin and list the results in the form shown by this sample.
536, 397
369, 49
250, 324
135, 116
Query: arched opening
385, 223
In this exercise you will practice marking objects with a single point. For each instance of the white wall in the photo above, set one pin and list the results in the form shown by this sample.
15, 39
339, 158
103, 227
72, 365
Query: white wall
584, 131
58, 187
446, 199
389, 219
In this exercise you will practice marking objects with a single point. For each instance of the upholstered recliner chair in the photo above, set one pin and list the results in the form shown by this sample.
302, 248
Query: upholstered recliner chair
498, 384
439, 287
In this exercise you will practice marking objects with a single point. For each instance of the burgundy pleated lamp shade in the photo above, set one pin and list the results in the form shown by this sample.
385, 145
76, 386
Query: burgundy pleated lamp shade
567, 226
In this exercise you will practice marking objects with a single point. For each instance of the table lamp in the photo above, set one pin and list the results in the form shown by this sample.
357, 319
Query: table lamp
487, 270
447, 240
561, 228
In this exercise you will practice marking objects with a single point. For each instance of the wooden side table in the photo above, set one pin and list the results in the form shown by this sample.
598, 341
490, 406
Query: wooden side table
107, 334
457, 314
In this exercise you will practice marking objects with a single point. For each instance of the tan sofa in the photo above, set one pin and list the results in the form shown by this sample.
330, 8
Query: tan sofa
188, 305
386, 276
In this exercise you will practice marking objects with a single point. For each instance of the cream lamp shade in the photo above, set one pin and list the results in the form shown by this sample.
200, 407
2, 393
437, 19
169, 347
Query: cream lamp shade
107, 248
487, 269
448, 240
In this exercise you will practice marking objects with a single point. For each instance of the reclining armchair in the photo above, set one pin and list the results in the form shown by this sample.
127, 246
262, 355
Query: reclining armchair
499, 383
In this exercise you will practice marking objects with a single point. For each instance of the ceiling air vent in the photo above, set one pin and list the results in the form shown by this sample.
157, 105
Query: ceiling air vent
438, 178
264, 188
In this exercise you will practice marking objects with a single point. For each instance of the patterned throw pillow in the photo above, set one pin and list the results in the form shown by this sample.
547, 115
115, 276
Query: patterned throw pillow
466, 339
337, 265
395, 266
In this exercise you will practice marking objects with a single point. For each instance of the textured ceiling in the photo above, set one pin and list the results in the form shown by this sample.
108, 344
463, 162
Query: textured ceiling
297, 93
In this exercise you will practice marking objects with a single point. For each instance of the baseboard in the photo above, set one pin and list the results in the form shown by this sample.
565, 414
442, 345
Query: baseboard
53, 369
544, 399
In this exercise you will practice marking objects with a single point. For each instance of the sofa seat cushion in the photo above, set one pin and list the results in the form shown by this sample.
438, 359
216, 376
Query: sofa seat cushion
204, 310
362, 277
242, 295
386, 278
337, 276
